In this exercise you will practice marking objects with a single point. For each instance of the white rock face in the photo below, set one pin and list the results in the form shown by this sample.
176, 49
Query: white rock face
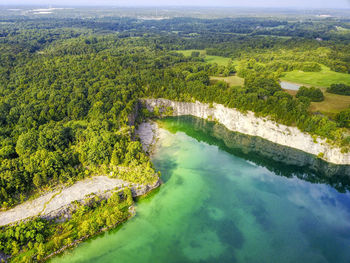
249, 124
55, 203
148, 132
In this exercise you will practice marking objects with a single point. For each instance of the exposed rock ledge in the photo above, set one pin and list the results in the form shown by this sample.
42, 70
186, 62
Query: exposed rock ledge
59, 203
148, 134
248, 123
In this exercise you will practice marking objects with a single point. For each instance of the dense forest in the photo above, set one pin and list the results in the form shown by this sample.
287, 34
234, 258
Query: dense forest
69, 91
69, 87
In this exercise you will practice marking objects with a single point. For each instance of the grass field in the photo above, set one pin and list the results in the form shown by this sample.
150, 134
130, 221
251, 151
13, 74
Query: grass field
231, 80
325, 78
331, 105
221, 61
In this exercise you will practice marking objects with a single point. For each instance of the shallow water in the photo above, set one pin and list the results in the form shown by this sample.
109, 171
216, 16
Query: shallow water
217, 207
289, 85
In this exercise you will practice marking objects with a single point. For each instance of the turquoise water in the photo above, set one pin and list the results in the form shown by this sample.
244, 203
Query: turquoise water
217, 205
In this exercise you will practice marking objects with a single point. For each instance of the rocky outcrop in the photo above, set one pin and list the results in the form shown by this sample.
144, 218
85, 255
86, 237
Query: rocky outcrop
147, 132
141, 190
248, 123
61, 203
64, 212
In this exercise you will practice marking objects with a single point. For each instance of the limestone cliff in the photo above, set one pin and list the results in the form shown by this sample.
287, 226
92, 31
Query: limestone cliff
60, 203
248, 123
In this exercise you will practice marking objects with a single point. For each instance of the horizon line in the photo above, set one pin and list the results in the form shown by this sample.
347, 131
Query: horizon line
174, 6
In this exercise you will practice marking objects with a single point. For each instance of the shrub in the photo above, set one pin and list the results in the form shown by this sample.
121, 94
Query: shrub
314, 94
343, 118
340, 89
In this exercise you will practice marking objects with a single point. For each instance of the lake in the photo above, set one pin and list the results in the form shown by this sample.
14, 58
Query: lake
220, 204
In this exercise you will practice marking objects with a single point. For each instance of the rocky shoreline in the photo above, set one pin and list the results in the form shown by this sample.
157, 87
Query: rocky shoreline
60, 204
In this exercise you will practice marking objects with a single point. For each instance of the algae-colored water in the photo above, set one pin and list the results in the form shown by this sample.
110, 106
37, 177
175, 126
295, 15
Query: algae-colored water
218, 206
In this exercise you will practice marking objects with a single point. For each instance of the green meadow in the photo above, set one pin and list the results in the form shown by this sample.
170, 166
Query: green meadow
324, 78
233, 81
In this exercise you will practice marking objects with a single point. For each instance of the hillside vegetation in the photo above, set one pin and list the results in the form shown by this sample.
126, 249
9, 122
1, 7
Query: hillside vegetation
67, 97
69, 91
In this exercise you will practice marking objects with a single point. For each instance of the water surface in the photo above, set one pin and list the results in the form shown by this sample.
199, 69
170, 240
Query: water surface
289, 85
218, 205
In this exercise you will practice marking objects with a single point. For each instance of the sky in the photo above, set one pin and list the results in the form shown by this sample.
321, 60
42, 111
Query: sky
247, 3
